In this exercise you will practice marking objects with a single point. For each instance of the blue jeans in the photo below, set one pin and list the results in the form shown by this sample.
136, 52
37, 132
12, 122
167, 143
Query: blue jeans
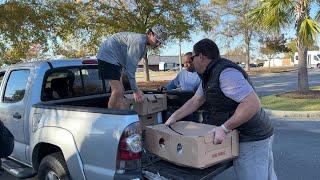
255, 161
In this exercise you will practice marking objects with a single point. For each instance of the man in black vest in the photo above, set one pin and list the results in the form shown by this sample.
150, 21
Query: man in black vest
233, 104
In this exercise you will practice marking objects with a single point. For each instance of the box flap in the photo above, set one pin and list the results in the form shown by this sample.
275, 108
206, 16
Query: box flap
159, 96
150, 98
145, 97
128, 96
192, 129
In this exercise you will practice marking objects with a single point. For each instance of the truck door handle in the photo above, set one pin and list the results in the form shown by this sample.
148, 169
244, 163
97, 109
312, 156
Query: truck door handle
16, 115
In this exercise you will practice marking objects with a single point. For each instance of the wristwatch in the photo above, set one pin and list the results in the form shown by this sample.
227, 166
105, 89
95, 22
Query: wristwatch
225, 129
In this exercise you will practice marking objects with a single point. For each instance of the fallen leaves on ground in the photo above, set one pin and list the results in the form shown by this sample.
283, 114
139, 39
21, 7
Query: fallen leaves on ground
151, 84
312, 94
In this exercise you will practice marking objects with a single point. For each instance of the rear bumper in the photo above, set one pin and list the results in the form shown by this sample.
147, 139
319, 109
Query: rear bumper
136, 174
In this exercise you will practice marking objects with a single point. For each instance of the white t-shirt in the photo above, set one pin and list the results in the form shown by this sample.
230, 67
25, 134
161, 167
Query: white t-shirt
232, 84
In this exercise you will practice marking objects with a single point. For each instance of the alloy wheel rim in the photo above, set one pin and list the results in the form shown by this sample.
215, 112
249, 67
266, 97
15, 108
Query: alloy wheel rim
52, 176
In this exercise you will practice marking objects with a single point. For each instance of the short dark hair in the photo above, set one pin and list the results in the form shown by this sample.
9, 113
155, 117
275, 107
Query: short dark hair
208, 48
188, 54
149, 30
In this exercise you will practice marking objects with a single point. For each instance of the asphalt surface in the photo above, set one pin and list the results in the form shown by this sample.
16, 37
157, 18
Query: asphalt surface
275, 83
296, 144
296, 150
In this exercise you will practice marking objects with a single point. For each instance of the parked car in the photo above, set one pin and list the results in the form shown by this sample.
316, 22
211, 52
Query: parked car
260, 64
252, 65
57, 112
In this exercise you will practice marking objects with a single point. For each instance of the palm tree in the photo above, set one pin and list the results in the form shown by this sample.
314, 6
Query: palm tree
272, 15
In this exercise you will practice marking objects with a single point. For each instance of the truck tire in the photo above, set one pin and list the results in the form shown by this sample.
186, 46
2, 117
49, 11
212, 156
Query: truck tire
53, 167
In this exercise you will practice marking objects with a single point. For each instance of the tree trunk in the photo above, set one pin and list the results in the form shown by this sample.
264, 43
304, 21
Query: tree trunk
303, 83
270, 56
247, 36
146, 69
247, 41
180, 60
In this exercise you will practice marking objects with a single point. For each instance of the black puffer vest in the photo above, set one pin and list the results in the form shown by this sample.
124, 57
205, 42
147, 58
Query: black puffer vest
221, 108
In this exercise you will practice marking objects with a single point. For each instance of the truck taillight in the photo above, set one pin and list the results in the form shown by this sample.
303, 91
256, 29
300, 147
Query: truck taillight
130, 145
129, 149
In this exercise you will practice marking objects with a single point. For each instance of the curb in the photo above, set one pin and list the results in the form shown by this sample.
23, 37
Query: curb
310, 115
284, 71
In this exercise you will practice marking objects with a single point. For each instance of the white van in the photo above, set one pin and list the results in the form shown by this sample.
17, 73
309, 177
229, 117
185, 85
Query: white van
313, 59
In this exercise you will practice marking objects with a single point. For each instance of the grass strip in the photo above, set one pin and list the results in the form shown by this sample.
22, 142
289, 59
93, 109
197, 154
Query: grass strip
289, 104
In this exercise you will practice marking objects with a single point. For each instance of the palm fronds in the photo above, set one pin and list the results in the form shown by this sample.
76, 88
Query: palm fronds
308, 31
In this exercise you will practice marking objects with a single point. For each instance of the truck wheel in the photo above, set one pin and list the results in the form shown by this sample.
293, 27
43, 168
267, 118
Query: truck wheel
53, 167
318, 65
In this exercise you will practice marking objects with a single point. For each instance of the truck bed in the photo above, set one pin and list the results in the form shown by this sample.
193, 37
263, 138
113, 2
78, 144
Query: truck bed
157, 166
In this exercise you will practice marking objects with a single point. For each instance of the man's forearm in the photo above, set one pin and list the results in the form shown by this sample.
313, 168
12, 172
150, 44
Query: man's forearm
244, 112
133, 84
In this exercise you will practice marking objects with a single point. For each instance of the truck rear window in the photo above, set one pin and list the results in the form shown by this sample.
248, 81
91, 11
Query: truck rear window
71, 82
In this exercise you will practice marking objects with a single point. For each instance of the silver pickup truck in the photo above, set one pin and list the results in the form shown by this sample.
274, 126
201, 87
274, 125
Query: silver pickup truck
57, 112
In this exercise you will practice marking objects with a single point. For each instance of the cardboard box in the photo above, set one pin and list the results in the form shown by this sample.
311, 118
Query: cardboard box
150, 119
194, 148
152, 103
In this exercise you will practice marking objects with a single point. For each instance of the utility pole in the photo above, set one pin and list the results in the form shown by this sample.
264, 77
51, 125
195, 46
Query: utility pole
180, 60
228, 41
146, 68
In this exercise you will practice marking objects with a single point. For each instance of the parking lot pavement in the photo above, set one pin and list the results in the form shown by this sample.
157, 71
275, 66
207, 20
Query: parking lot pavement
5, 176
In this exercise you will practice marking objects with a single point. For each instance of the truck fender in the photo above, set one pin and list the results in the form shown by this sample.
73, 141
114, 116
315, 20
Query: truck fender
63, 139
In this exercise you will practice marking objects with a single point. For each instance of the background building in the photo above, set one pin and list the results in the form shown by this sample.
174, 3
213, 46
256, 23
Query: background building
169, 62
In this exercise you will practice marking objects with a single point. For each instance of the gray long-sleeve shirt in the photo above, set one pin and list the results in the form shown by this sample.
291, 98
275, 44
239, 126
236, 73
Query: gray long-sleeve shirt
124, 49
